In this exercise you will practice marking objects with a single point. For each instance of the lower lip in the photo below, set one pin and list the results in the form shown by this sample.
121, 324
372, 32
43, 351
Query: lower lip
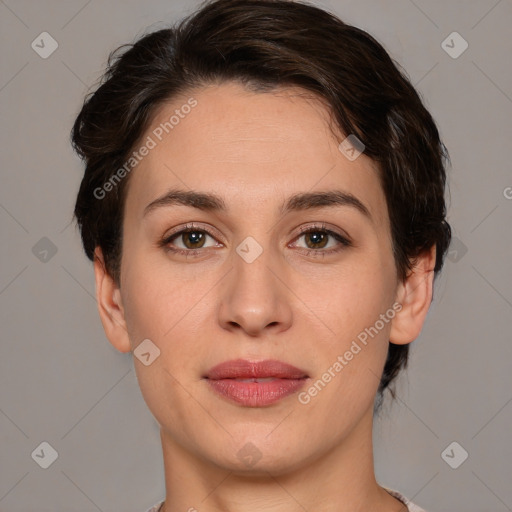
256, 394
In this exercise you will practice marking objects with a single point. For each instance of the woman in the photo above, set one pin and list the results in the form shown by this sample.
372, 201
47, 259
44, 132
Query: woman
263, 200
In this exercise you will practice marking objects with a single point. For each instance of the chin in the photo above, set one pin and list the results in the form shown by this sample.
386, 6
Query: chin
255, 456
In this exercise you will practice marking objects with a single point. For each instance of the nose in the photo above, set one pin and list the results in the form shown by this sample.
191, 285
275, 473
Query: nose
255, 297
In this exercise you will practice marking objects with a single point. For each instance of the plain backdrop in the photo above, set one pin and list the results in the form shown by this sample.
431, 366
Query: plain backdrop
62, 383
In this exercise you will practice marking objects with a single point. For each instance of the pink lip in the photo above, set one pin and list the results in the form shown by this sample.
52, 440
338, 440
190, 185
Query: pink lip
286, 379
243, 369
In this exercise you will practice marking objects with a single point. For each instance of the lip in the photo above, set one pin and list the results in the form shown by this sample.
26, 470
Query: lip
231, 380
243, 369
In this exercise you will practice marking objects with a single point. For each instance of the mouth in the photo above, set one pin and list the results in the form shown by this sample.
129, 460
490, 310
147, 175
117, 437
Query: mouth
242, 369
264, 379
255, 384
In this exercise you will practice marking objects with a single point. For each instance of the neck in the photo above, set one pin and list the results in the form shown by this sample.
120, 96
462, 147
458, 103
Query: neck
340, 478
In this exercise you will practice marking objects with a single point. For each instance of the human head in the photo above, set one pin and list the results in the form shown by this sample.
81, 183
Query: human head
265, 45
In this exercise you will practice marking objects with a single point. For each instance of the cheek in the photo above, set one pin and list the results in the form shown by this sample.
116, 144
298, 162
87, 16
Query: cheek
151, 301
164, 308
163, 302
357, 307
352, 298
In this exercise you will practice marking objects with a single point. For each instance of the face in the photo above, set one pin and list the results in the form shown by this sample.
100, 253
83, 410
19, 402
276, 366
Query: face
255, 280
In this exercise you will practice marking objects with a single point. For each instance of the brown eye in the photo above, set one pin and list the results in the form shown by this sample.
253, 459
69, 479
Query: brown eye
318, 239
192, 239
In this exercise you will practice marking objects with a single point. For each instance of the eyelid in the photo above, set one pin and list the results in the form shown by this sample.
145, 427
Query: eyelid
191, 226
323, 226
343, 239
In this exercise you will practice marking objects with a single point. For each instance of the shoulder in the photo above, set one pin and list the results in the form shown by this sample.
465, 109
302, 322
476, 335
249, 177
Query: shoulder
411, 507
156, 507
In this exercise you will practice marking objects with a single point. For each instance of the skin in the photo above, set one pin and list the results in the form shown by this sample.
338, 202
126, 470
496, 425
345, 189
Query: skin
255, 150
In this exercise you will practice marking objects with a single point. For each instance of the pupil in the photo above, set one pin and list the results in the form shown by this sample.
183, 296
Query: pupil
317, 237
193, 237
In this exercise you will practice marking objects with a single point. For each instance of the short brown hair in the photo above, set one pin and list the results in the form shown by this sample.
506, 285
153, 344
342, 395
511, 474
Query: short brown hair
265, 44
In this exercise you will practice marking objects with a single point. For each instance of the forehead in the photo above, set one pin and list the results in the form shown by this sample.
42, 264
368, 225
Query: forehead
251, 148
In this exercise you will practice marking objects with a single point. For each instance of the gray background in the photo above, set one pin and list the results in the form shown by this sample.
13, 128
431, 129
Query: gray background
63, 383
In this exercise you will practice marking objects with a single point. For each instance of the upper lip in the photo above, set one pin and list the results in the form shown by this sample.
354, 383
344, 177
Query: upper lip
243, 369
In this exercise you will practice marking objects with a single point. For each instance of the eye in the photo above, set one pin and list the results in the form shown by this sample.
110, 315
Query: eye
192, 238
317, 238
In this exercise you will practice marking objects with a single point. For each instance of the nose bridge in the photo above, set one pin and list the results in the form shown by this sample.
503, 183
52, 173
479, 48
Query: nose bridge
254, 297
253, 279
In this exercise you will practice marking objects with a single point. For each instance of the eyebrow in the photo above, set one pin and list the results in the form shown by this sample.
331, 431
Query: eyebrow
298, 202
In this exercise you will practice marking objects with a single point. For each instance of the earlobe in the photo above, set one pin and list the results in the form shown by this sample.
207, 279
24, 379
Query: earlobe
110, 307
415, 296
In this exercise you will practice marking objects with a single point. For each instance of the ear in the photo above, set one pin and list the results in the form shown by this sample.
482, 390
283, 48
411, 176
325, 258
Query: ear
110, 307
415, 296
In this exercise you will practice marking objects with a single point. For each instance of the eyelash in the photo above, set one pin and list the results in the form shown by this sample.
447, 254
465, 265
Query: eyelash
304, 230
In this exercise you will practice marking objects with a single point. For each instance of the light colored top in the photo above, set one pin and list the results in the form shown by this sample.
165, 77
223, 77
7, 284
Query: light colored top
411, 507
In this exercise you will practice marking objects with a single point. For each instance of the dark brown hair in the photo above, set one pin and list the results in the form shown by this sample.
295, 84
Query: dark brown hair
265, 44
